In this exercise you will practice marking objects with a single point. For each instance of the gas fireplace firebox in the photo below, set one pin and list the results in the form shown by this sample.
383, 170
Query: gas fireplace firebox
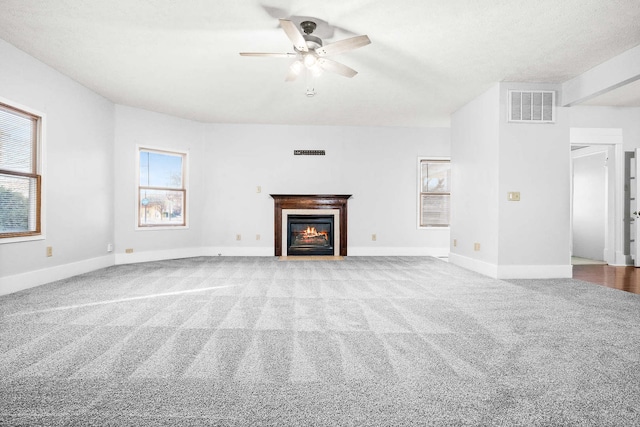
310, 235
310, 224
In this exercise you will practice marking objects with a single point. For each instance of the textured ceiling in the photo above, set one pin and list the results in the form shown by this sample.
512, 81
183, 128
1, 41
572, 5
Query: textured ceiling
427, 57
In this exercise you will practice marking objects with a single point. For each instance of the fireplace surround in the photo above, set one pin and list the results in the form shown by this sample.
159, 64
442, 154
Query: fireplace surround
310, 205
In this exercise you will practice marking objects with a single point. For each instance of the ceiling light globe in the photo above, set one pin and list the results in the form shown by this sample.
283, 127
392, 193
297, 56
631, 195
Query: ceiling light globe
310, 60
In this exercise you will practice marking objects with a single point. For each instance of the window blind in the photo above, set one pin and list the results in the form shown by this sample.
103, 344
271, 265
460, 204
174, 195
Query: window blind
20, 183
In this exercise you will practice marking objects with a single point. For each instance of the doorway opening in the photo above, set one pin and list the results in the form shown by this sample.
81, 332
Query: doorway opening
597, 196
589, 208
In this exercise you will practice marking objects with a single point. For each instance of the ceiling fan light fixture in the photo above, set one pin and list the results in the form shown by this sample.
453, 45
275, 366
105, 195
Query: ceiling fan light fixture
310, 60
311, 54
315, 71
297, 67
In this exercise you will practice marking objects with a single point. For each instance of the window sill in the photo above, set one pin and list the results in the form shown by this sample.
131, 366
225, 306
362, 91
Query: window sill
22, 239
162, 227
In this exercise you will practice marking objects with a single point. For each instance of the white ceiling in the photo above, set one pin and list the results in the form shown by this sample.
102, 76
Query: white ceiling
427, 57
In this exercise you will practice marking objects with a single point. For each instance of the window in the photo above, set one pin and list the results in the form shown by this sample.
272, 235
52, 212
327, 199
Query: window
20, 168
162, 191
435, 192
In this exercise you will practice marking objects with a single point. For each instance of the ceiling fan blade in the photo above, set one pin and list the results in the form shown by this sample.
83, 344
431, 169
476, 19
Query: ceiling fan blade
336, 67
271, 55
343, 46
294, 35
294, 71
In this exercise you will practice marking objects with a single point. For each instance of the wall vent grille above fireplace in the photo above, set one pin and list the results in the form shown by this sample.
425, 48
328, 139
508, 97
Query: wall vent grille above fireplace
308, 152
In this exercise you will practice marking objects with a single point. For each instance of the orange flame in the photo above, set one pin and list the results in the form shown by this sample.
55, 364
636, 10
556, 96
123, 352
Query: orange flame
310, 232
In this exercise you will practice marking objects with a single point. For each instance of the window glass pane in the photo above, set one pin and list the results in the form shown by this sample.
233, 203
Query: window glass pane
435, 210
18, 204
161, 207
537, 106
526, 105
160, 169
436, 177
547, 106
516, 107
424, 167
16, 141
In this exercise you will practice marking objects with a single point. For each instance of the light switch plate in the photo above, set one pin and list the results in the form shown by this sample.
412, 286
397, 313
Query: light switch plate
513, 196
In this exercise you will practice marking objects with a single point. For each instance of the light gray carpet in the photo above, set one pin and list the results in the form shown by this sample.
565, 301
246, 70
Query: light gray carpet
379, 341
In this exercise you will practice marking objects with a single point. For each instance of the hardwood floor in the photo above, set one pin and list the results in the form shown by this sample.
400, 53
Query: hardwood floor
623, 278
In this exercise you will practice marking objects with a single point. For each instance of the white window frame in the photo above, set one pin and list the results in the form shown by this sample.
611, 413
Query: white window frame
419, 193
40, 170
185, 187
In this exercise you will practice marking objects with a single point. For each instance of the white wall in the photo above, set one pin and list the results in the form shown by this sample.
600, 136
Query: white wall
474, 181
534, 160
378, 166
78, 180
627, 119
133, 128
492, 157
589, 207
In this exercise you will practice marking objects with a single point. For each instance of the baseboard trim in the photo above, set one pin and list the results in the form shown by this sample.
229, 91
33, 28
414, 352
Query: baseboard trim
240, 251
476, 265
621, 259
398, 251
147, 256
562, 271
20, 282
535, 271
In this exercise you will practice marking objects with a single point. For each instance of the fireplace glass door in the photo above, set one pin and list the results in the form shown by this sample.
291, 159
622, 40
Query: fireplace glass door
310, 235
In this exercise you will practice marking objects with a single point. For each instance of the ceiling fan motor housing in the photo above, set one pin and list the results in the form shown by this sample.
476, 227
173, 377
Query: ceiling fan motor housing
313, 42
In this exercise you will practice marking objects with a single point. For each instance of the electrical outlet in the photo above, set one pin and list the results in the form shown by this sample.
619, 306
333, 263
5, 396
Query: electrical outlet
455, 242
49, 251
257, 237
238, 237
109, 247
476, 246
259, 189
128, 250
374, 237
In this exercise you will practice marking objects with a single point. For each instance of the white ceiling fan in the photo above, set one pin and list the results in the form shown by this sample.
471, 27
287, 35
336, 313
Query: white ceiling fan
311, 54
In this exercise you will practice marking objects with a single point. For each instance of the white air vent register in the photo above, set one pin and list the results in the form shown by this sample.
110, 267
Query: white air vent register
533, 106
